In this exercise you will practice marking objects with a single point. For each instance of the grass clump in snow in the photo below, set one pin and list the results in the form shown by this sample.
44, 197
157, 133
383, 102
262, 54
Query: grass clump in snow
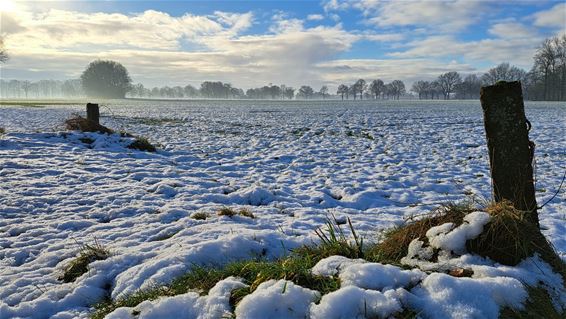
142, 144
333, 241
79, 123
79, 266
199, 216
508, 238
295, 267
230, 212
395, 244
2, 131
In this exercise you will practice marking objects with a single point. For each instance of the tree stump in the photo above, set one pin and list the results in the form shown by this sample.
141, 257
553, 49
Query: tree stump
510, 151
93, 113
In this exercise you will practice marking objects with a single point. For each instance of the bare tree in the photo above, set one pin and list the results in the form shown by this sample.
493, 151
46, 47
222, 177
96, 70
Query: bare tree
448, 82
420, 87
360, 86
376, 88
398, 88
3, 55
323, 91
305, 92
342, 89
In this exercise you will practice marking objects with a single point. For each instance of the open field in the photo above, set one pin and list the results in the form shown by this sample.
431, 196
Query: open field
290, 163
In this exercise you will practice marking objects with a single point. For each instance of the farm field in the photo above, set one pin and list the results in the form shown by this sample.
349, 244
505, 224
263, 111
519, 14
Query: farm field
292, 164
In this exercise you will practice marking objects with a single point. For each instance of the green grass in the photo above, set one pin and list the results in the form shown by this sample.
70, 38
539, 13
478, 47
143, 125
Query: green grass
295, 268
79, 266
38, 103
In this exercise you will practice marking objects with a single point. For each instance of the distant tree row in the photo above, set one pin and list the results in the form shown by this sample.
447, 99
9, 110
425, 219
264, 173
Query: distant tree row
41, 89
545, 81
376, 90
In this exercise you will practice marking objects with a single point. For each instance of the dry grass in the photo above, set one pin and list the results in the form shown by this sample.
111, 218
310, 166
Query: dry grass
142, 144
396, 241
79, 266
230, 212
538, 305
199, 216
508, 238
79, 123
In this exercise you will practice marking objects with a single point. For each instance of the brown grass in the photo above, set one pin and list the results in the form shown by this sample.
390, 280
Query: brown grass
79, 123
396, 241
508, 238
142, 144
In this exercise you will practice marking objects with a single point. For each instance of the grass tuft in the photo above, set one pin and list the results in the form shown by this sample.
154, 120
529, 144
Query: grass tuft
142, 144
199, 216
230, 212
246, 213
395, 244
79, 266
2, 131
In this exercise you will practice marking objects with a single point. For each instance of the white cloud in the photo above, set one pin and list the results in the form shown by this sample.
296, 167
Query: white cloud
150, 45
554, 17
515, 50
384, 37
315, 17
148, 30
512, 30
446, 15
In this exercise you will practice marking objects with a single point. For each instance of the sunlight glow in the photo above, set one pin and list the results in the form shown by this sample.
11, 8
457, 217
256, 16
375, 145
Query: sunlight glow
7, 5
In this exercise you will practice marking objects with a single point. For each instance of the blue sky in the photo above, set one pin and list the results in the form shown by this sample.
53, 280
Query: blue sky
252, 43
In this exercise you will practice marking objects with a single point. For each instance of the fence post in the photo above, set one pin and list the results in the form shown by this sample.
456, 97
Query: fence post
510, 151
93, 113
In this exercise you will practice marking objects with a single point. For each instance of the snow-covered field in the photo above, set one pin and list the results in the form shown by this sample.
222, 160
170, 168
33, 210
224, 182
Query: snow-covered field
291, 163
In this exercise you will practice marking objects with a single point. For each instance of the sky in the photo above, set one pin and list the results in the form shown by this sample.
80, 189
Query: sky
254, 43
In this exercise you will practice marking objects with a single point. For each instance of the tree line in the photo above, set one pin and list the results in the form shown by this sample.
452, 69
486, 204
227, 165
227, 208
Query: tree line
545, 81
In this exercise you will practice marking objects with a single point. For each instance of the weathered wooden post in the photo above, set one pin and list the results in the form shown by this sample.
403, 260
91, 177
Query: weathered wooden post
510, 151
93, 113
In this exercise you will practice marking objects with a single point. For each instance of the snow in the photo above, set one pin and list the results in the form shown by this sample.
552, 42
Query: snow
354, 302
446, 238
443, 296
277, 299
290, 163
377, 276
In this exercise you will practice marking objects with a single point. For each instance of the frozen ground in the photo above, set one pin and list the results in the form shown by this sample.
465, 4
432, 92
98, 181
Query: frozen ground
291, 163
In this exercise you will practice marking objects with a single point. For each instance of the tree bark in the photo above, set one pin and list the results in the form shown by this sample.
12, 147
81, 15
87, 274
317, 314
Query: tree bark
93, 113
510, 151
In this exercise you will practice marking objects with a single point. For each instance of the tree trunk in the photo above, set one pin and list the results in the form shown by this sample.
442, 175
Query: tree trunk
93, 113
510, 151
